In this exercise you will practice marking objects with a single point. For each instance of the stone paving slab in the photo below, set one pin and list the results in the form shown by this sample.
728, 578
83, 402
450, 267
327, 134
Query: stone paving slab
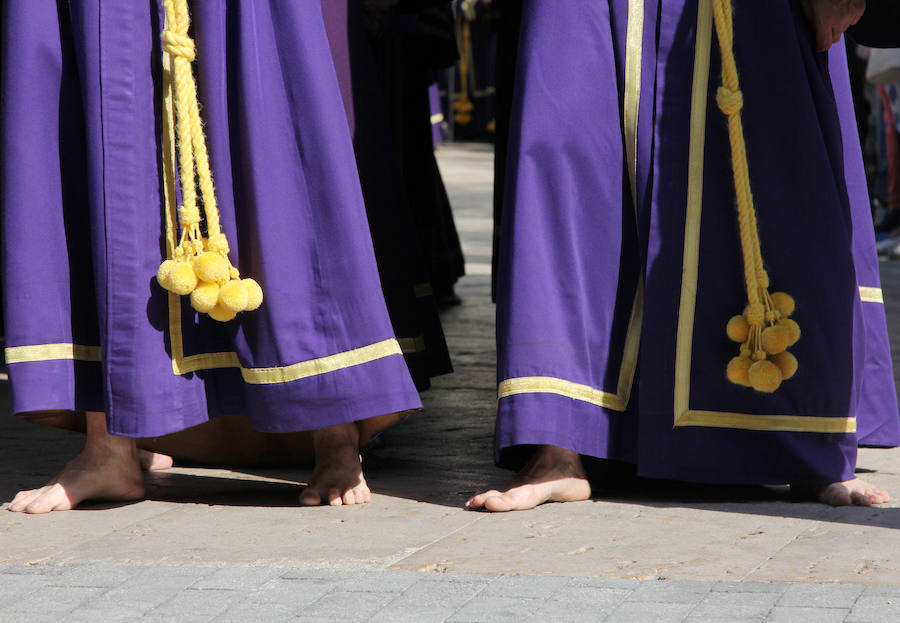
167, 593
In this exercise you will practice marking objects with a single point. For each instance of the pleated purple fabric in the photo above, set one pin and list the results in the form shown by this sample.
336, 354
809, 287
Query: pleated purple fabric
84, 215
613, 96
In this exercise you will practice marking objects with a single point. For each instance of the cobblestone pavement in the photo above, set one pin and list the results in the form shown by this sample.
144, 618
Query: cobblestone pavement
227, 545
123, 593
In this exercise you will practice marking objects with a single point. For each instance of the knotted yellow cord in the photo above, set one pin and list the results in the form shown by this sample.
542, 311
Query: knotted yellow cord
201, 267
764, 330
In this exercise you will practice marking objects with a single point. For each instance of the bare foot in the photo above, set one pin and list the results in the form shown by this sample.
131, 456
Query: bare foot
108, 468
552, 475
853, 492
154, 461
337, 478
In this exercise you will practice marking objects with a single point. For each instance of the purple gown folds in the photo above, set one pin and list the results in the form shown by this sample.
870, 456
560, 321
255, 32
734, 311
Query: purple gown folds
85, 223
620, 258
402, 266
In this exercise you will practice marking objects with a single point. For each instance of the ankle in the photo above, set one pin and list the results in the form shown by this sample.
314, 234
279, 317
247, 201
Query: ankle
547, 456
340, 435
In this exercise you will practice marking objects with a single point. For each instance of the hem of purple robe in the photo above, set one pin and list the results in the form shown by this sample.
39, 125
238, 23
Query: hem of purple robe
550, 419
351, 394
590, 430
75, 386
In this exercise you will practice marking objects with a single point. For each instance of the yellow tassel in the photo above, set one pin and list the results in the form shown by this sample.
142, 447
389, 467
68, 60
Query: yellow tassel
775, 339
205, 296
254, 294
211, 267
162, 275
769, 332
764, 376
755, 314
233, 296
221, 314
202, 268
182, 279
793, 330
787, 363
463, 106
739, 370
738, 329
783, 302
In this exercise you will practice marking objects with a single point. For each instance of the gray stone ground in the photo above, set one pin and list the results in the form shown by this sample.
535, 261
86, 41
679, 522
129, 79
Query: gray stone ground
216, 544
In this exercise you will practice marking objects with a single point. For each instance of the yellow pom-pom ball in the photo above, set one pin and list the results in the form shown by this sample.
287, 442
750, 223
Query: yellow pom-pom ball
162, 275
211, 267
775, 339
205, 296
738, 329
738, 370
254, 294
764, 376
182, 279
792, 328
233, 296
221, 314
787, 363
783, 302
755, 314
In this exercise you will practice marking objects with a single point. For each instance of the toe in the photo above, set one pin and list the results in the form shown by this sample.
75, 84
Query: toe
877, 496
477, 501
49, 501
334, 497
23, 499
39, 507
838, 496
861, 498
499, 503
349, 497
310, 497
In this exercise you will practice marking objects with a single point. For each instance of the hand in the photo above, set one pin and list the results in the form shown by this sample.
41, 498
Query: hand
830, 18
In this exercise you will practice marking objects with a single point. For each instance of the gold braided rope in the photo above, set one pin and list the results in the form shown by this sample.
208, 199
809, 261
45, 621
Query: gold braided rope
200, 266
764, 330
463, 106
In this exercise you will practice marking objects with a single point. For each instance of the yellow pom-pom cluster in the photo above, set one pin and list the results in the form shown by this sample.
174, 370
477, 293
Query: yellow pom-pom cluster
214, 285
765, 332
462, 110
200, 266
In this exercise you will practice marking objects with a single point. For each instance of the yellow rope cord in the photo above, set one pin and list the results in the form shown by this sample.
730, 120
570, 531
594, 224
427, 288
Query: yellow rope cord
200, 266
764, 329
463, 106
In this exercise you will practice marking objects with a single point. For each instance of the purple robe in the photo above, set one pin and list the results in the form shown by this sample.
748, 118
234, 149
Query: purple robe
612, 302
85, 212
437, 114
402, 267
